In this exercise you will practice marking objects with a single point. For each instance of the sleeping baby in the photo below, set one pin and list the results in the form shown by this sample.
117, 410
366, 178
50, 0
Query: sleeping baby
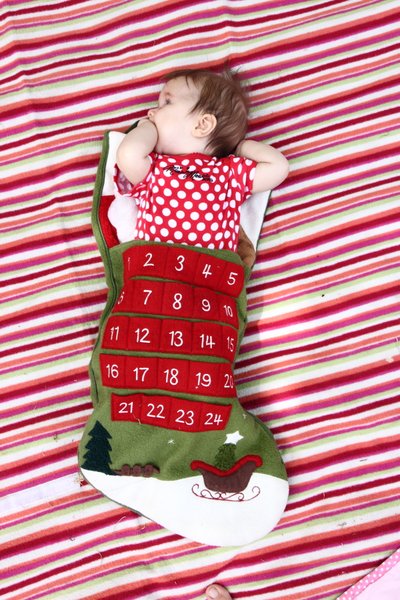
188, 166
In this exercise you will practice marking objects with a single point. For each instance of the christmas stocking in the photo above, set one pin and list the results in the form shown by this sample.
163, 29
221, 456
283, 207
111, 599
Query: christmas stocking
168, 437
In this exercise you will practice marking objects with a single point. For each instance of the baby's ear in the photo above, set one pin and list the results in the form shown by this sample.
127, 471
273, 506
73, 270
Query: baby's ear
206, 123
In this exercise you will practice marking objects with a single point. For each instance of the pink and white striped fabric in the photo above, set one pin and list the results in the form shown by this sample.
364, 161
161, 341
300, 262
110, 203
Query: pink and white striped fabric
320, 358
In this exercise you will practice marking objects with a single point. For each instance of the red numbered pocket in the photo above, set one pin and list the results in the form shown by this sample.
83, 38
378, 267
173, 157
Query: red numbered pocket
141, 372
204, 378
173, 374
228, 310
144, 334
156, 410
148, 296
229, 342
209, 271
214, 416
126, 408
116, 333
112, 369
176, 336
232, 279
170, 412
181, 264
178, 300
207, 339
227, 381
125, 299
185, 415
148, 261
206, 305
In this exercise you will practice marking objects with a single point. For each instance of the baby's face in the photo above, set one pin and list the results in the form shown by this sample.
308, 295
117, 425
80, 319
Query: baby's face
173, 117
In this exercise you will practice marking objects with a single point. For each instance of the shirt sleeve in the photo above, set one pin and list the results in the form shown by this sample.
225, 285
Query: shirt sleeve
126, 188
122, 184
243, 171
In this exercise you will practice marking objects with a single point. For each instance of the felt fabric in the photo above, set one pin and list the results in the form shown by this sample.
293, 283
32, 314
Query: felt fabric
168, 436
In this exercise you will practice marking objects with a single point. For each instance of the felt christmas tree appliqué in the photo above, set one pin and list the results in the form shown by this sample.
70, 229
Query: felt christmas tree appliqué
168, 437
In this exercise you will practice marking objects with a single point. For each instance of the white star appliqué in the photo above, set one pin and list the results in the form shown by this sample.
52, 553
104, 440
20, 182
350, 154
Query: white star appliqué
233, 438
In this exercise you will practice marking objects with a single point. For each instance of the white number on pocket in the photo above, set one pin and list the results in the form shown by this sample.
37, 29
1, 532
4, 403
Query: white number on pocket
185, 417
152, 411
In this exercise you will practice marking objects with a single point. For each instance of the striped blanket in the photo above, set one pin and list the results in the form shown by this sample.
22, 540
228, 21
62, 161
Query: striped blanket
319, 359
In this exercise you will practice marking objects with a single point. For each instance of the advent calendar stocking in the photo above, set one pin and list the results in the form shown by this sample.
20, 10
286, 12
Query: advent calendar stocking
168, 437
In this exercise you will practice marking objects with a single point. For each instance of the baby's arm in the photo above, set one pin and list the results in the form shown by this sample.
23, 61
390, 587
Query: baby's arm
272, 167
134, 150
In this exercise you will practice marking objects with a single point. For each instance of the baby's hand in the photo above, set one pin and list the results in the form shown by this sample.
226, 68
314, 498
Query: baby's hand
133, 152
147, 122
272, 167
149, 130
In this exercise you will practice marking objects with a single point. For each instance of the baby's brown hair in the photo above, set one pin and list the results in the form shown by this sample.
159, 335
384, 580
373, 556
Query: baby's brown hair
222, 95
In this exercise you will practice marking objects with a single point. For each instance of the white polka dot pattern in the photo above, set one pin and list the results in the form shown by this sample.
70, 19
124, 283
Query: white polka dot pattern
381, 583
192, 199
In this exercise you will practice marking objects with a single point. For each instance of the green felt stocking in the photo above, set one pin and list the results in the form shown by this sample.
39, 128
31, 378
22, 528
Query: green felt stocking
168, 437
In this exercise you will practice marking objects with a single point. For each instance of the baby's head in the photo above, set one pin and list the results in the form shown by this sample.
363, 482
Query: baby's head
222, 96
218, 98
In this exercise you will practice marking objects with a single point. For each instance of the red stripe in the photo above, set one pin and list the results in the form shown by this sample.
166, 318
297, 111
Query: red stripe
318, 238
342, 414
324, 270
76, 530
84, 334
56, 382
32, 463
384, 483
77, 165
58, 270
66, 412
306, 347
335, 381
348, 133
342, 456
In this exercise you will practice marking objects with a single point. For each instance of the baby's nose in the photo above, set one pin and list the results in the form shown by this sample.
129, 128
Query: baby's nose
151, 113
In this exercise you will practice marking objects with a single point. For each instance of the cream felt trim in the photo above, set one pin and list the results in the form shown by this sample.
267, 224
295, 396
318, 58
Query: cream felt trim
180, 507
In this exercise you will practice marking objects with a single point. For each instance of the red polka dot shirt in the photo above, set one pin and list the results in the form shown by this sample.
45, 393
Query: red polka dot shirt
192, 199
